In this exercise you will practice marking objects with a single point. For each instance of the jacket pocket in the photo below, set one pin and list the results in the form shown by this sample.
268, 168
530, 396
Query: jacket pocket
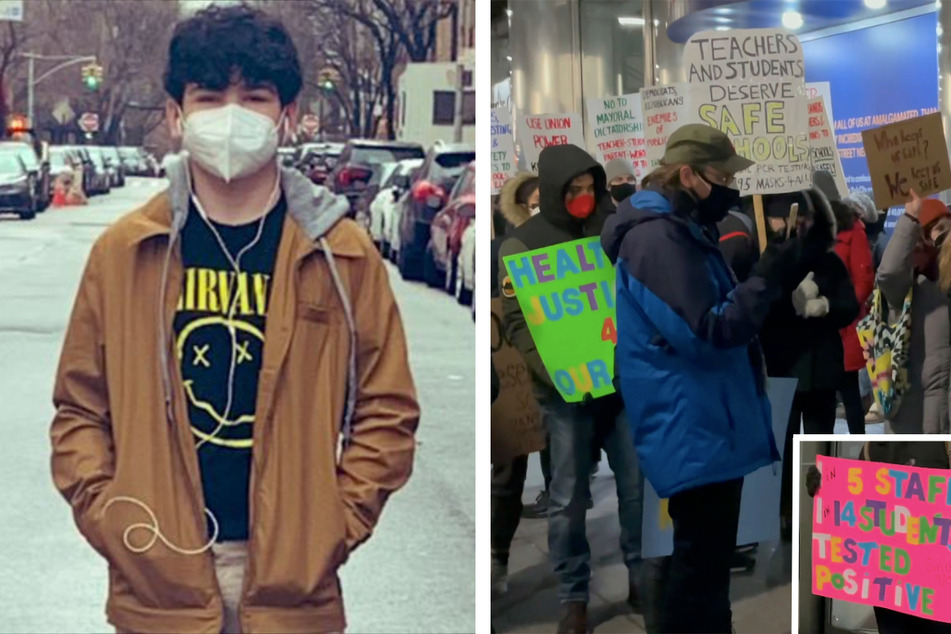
315, 313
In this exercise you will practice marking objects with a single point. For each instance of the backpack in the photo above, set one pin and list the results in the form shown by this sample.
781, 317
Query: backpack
885, 347
746, 220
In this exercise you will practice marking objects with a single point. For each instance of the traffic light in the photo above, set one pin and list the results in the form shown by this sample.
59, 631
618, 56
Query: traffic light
326, 80
17, 124
92, 76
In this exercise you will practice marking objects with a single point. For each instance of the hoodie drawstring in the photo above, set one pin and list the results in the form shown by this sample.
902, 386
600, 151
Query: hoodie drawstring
350, 407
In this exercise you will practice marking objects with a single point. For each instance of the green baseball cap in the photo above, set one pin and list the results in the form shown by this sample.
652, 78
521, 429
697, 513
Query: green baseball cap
700, 144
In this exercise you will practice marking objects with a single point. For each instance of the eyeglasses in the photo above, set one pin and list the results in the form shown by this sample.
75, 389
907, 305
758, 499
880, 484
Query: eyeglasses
726, 180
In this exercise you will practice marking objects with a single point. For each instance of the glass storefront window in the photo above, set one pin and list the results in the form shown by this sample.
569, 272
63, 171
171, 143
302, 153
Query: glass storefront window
612, 53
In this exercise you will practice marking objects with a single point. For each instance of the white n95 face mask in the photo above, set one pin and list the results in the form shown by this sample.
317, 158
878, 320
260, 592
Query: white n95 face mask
231, 141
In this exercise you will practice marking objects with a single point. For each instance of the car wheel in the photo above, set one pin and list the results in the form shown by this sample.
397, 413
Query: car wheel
27, 215
431, 273
463, 295
385, 248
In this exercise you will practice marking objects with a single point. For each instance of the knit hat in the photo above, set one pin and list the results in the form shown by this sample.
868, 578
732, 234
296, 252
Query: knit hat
825, 182
932, 210
618, 167
866, 206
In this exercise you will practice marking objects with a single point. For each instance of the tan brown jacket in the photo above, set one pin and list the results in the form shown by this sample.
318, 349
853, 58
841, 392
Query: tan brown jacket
333, 437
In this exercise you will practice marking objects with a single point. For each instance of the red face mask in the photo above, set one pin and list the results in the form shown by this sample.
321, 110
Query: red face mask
581, 206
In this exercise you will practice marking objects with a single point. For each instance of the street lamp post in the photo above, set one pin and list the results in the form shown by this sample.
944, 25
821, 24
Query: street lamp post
31, 82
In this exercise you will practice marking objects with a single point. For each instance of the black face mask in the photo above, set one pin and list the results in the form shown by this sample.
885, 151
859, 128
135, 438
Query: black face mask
623, 191
718, 204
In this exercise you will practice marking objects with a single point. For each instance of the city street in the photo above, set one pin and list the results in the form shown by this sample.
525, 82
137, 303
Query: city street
415, 575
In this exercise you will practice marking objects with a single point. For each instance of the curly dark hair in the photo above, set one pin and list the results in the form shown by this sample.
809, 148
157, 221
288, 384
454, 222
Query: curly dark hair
218, 44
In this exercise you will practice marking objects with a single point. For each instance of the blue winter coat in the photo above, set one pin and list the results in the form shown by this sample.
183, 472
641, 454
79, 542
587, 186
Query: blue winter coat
688, 363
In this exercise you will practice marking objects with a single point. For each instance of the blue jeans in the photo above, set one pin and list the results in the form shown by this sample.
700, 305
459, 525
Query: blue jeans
571, 434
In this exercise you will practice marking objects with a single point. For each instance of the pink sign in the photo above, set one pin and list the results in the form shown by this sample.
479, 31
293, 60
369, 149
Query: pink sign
881, 534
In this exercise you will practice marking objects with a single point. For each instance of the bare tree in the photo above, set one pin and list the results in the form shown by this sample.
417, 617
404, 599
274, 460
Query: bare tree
14, 37
400, 30
129, 39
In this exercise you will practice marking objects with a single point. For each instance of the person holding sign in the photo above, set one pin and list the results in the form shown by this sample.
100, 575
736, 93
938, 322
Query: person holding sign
927, 455
689, 364
910, 263
801, 336
572, 186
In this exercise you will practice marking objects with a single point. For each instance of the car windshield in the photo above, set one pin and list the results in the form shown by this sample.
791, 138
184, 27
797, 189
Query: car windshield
378, 155
58, 158
454, 162
9, 165
96, 157
465, 186
26, 154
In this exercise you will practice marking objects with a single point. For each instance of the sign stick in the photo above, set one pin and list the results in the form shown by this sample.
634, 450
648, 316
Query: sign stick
760, 221
793, 217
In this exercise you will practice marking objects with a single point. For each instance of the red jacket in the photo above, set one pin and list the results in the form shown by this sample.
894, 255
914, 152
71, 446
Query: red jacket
853, 248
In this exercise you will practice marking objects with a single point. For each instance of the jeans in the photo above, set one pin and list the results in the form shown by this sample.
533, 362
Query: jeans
508, 482
852, 399
696, 595
892, 622
816, 411
230, 561
571, 434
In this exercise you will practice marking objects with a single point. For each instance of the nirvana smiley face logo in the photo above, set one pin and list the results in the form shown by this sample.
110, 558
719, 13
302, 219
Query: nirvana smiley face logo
205, 347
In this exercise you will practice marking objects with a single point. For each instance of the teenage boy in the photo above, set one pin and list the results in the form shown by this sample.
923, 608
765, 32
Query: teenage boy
234, 400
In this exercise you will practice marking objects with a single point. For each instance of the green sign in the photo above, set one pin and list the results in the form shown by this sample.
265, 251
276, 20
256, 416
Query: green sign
567, 294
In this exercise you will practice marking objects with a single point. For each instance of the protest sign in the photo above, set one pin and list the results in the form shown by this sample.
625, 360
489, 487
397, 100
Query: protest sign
905, 155
822, 148
749, 84
617, 131
566, 292
538, 131
761, 489
821, 89
881, 536
503, 148
664, 109
516, 419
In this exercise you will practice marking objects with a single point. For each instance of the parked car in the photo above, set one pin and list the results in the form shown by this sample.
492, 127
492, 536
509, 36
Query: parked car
288, 155
449, 224
386, 200
95, 177
360, 159
103, 164
38, 170
465, 267
111, 155
17, 188
318, 159
444, 164
362, 211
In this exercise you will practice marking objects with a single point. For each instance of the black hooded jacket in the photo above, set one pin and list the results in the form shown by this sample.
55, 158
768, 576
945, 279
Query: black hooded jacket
811, 349
557, 167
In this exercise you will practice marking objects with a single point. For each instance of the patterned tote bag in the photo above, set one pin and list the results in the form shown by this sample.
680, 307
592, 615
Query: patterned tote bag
885, 347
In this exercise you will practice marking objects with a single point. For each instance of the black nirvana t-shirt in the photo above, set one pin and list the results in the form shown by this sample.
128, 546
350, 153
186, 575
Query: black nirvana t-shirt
219, 333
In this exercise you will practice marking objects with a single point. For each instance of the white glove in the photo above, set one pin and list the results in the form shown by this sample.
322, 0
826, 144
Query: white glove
807, 290
818, 307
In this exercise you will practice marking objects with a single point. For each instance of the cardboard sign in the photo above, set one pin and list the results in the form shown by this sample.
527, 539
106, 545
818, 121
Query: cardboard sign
749, 84
821, 90
825, 155
517, 427
617, 131
881, 535
664, 109
538, 131
503, 149
761, 490
906, 155
567, 293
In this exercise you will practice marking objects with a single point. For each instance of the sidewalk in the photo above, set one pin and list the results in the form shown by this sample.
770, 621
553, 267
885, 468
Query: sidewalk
761, 599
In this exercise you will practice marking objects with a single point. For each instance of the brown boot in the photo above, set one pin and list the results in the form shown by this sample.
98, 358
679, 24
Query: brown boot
576, 618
